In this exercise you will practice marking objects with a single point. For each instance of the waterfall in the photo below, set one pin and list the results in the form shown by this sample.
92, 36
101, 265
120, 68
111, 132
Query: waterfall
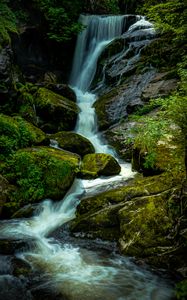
99, 32
67, 269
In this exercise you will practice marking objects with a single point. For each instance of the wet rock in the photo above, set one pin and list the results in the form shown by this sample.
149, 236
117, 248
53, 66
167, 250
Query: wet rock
55, 111
111, 108
20, 267
94, 165
73, 142
63, 90
121, 138
13, 288
26, 212
11, 246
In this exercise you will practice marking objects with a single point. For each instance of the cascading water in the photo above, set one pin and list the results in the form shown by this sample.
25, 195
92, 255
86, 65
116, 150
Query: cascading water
73, 271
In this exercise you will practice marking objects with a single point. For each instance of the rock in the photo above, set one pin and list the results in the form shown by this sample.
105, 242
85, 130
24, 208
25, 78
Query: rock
144, 226
99, 216
25, 212
11, 246
55, 111
139, 216
159, 88
5, 63
73, 142
94, 165
13, 288
121, 138
63, 90
112, 107
39, 173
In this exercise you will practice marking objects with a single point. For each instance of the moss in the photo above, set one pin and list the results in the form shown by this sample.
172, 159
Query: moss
99, 164
73, 142
39, 173
144, 225
17, 133
55, 110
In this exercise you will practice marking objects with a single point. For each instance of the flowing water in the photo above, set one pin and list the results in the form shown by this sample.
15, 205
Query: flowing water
72, 271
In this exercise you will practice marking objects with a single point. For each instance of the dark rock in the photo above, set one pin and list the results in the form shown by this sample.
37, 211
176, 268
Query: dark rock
11, 246
63, 90
25, 212
121, 138
13, 288
5, 63
55, 111
73, 142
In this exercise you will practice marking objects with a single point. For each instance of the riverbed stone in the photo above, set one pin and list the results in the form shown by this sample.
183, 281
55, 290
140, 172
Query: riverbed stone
98, 164
73, 142
55, 112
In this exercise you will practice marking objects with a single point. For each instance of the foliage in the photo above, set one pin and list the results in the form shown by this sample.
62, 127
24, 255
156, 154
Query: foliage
61, 17
7, 22
181, 290
16, 133
169, 16
37, 175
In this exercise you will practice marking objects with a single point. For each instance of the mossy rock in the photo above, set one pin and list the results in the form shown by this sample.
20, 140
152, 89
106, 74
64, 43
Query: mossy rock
38, 173
55, 111
97, 164
17, 133
144, 225
141, 205
73, 142
101, 106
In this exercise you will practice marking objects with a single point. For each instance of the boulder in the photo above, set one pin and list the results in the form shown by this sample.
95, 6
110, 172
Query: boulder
139, 216
14, 288
73, 142
98, 164
55, 112
39, 173
63, 90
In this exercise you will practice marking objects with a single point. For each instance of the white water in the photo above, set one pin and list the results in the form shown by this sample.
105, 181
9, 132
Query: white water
74, 271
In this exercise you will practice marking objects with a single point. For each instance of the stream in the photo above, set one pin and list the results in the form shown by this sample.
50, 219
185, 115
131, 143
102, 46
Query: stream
75, 268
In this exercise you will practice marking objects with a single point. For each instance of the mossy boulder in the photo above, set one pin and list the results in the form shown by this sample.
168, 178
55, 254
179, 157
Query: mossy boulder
38, 173
17, 133
73, 142
97, 164
55, 112
145, 225
140, 216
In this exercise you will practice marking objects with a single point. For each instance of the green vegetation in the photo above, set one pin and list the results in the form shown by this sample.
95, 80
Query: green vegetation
7, 23
38, 173
16, 133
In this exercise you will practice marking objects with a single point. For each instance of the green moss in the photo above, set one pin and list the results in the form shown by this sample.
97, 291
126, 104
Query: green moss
7, 24
17, 133
144, 225
99, 164
39, 173
55, 111
73, 142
